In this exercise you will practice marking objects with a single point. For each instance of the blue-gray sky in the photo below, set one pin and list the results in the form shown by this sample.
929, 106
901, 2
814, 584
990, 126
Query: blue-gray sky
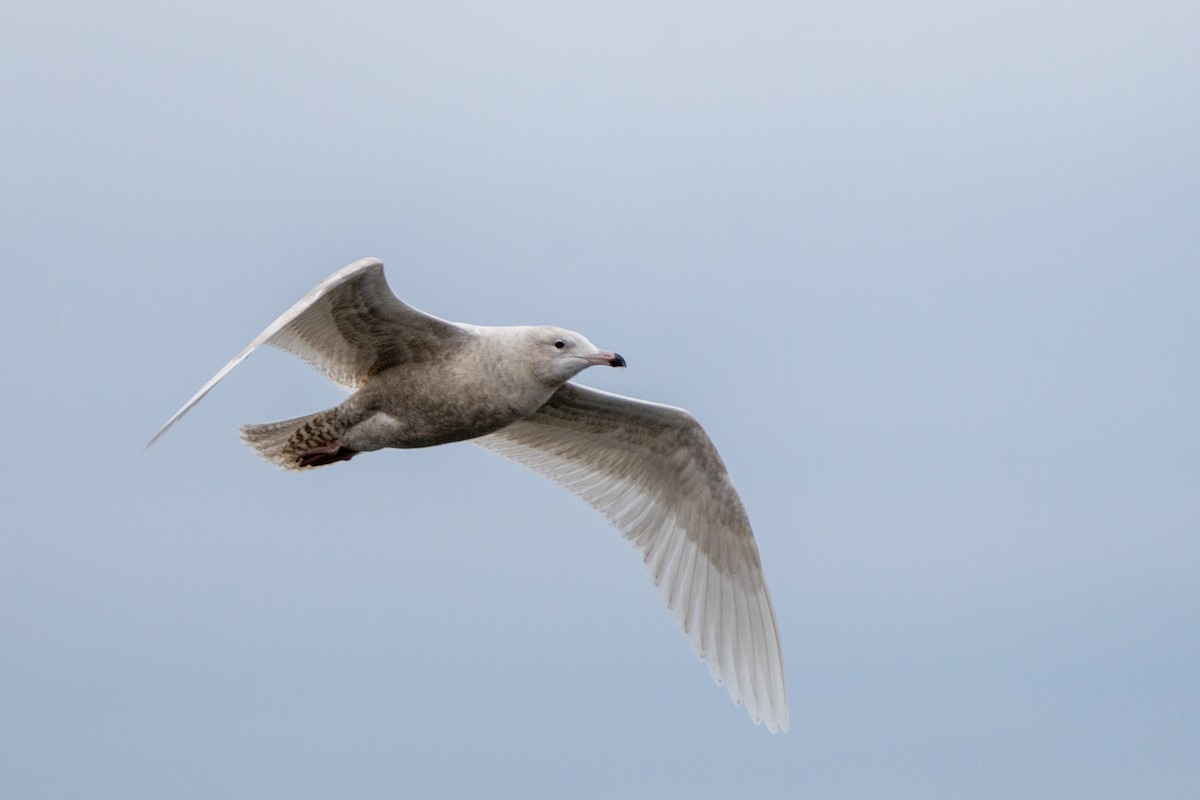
927, 272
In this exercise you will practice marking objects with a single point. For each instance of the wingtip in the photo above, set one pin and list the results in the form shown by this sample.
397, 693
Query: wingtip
774, 722
156, 436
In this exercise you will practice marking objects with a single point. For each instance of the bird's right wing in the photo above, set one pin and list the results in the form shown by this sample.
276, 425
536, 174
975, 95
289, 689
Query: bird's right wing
349, 327
652, 470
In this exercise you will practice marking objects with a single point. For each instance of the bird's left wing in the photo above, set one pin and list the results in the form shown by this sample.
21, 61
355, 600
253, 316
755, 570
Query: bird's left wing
653, 471
348, 327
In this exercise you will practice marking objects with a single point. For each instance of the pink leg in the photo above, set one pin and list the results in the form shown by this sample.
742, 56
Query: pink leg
325, 455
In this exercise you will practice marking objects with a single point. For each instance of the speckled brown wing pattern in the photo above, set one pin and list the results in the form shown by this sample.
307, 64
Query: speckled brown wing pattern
355, 328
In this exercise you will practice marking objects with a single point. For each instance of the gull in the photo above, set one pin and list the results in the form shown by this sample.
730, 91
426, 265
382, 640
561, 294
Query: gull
418, 381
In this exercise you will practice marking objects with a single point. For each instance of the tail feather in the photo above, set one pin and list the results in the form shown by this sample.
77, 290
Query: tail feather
283, 443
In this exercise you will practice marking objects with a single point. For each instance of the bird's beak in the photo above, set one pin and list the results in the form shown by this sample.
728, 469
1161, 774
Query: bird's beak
606, 359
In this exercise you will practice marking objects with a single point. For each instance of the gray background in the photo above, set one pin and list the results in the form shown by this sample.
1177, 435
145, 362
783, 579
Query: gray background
926, 271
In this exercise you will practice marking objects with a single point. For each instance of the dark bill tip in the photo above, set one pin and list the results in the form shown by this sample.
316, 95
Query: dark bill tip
618, 360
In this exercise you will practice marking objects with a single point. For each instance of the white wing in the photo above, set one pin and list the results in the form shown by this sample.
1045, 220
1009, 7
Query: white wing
653, 471
349, 327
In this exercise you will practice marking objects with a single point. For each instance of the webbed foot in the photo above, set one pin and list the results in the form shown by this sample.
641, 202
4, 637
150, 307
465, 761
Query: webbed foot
325, 455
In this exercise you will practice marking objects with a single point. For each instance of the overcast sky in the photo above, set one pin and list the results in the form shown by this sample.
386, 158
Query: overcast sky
927, 272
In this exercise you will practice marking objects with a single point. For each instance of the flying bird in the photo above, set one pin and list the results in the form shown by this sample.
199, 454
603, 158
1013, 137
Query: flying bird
417, 381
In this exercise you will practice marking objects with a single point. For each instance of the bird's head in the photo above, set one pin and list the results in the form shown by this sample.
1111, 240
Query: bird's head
560, 354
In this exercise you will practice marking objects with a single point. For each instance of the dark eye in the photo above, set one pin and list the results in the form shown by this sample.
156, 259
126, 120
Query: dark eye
560, 344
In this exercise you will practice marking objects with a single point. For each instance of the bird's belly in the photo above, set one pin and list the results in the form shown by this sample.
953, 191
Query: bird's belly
422, 406
426, 426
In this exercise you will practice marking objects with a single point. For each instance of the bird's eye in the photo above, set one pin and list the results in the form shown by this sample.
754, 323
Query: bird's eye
560, 344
